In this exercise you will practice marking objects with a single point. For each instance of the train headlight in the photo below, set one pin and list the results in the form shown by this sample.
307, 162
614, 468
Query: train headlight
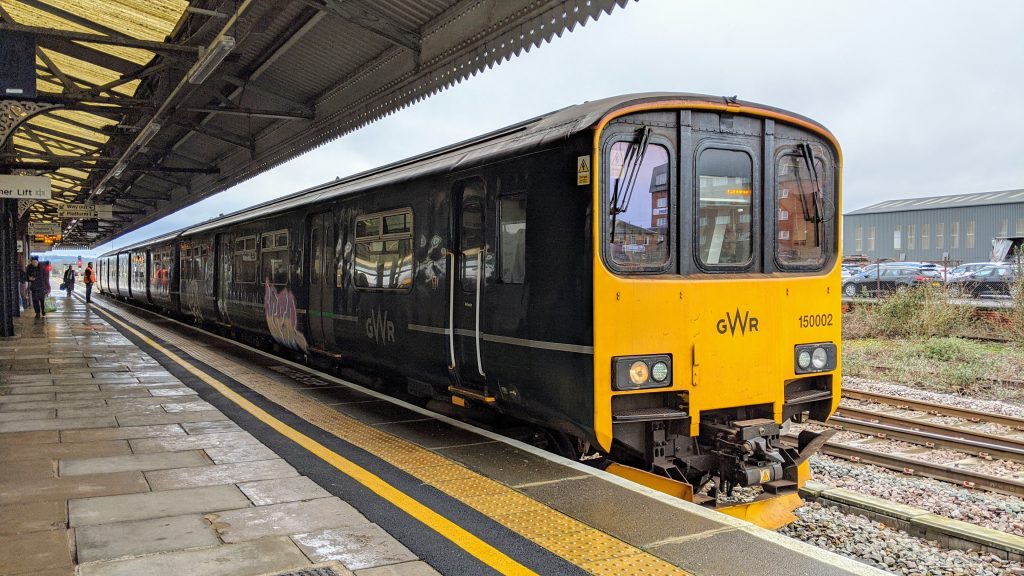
639, 373
819, 357
636, 372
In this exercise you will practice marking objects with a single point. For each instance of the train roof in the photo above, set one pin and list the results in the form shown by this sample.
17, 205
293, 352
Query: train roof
526, 135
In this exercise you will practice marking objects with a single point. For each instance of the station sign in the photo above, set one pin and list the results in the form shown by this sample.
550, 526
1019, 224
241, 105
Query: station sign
39, 247
85, 211
47, 238
25, 187
50, 228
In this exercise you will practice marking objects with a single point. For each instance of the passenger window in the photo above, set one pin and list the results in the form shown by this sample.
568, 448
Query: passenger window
512, 215
472, 241
725, 208
244, 261
799, 194
383, 251
274, 257
639, 211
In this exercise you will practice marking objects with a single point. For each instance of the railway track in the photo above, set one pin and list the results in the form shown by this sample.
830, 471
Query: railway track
984, 446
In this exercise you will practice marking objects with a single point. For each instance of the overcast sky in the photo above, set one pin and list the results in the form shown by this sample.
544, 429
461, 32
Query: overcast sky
925, 97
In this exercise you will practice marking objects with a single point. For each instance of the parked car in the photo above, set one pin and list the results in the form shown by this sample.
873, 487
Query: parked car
992, 280
850, 270
965, 269
888, 279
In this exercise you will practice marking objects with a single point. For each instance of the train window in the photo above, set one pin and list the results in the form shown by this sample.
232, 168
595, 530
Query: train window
274, 257
244, 260
640, 206
512, 216
725, 208
383, 251
802, 193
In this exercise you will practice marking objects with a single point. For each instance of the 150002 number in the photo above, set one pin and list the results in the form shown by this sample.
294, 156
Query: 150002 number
815, 320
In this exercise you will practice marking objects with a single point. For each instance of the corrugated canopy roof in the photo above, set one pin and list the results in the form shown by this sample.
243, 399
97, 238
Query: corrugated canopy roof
935, 202
130, 114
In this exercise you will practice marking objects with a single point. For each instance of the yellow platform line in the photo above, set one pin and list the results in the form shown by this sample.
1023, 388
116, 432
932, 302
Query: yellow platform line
576, 542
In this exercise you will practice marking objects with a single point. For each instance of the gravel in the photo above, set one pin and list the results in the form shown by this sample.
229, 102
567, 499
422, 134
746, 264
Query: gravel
995, 511
990, 406
892, 550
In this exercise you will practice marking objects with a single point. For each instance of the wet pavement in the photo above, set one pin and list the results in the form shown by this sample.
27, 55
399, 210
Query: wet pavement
111, 464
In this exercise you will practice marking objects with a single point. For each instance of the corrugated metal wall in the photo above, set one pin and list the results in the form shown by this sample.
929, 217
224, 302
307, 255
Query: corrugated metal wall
957, 234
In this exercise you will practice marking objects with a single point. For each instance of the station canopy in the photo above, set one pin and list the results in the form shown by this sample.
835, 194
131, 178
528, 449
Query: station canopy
149, 106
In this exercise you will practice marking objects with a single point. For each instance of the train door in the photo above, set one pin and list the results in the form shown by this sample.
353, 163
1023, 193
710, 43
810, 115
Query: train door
321, 280
467, 282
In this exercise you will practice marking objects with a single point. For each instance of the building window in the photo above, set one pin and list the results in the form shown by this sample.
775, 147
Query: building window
911, 236
940, 240
512, 216
897, 238
1004, 226
925, 237
858, 240
954, 235
383, 255
871, 239
970, 234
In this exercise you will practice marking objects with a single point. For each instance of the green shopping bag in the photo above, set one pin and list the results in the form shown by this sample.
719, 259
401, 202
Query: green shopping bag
50, 304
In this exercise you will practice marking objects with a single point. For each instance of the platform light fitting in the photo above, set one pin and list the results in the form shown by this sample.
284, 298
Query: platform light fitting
118, 170
146, 135
210, 59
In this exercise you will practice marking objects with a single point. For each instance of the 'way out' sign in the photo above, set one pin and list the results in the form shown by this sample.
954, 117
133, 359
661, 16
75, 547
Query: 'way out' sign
24, 187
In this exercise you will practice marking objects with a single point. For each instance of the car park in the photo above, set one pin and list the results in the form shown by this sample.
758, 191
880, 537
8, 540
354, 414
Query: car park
888, 278
991, 280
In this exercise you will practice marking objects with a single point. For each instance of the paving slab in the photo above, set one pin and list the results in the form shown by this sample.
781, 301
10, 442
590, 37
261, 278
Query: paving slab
418, 568
51, 389
210, 427
52, 405
34, 551
27, 470
19, 438
129, 507
33, 517
220, 474
109, 411
278, 490
288, 518
104, 394
27, 415
357, 547
65, 450
192, 442
57, 424
73, 487
123, 539
186, 406
177, 418
245, 559
248, 452
181, 391
15, 398
158, 461
126, 432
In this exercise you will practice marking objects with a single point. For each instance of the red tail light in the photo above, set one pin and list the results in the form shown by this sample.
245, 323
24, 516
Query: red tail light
920, 278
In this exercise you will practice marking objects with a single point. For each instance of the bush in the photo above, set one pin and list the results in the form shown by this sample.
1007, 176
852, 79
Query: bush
912, 313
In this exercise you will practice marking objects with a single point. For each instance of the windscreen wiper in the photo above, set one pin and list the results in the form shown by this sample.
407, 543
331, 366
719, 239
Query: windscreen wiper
631, 167
816, 198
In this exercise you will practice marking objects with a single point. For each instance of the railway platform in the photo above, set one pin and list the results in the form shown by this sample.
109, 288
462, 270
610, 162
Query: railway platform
132, 444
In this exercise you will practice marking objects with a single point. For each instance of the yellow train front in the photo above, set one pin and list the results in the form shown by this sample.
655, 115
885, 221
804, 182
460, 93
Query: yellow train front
716, 299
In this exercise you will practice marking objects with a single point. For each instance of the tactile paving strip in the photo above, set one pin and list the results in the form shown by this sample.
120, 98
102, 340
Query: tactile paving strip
579, 543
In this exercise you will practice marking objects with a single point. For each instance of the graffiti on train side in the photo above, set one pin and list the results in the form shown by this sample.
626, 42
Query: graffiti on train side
192, 298
283, 317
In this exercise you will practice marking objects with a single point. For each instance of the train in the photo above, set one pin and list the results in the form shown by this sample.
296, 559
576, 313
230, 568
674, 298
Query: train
647, 282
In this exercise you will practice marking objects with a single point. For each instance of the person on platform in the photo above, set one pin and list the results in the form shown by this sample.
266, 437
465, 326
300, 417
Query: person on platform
89, 277
69, 280
38, 285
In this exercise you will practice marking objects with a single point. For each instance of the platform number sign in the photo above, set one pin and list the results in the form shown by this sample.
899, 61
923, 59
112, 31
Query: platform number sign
582, 170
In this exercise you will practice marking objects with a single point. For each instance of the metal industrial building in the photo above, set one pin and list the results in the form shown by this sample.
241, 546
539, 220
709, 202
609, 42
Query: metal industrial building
957, 228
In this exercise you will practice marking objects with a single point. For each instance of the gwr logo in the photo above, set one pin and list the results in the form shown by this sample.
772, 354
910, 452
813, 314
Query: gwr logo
379, 328
730, 323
